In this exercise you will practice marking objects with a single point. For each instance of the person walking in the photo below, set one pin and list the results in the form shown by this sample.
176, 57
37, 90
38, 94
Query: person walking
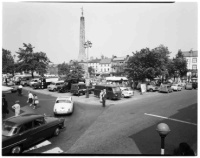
35, 101
30, 98
4, 106
101, 95
104, 98
16, 107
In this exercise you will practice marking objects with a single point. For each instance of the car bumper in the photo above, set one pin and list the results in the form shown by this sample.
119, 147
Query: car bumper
63, 111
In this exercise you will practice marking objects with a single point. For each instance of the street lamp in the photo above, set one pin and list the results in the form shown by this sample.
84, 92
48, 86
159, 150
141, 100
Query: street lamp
163, 130
87, 45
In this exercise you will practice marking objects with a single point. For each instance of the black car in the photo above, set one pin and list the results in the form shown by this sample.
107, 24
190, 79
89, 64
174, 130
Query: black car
194, 85
23, 131
64, 88
80, 89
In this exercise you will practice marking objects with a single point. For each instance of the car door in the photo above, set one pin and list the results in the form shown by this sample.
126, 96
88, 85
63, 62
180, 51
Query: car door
26, 133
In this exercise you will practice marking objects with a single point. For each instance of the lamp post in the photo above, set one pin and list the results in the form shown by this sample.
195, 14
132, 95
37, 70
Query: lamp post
163, 130
87, 45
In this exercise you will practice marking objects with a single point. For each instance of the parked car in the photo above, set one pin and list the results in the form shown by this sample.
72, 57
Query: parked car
127, 92
80, 89
195, 85
23, 131
112, 91
165, 88
63, 105
176, 87
54, 85
152, 88
25, 80
31, 82
64, 88
188, 86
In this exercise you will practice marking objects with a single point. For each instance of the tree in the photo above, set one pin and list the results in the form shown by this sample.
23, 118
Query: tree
63, 69
7, 62
30, 61
180, 64
148, 63
91, 70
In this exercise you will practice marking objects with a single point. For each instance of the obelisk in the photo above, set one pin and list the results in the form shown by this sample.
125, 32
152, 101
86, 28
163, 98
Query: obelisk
82, 55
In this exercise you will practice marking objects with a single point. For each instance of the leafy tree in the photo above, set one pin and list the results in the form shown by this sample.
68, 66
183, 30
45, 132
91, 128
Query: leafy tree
148, 63
30, 61
91, 70
180, 64
63, 69
7, 62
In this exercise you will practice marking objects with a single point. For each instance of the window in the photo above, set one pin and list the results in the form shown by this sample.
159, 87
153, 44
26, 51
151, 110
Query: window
194, 67
38, 122
194, 60
108, 69
26, 127
104, 69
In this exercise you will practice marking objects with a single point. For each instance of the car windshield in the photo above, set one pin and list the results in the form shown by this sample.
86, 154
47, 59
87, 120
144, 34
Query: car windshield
116, 89
8, 129
63, 101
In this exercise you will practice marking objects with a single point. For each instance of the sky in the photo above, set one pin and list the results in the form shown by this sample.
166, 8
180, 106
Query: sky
113, 28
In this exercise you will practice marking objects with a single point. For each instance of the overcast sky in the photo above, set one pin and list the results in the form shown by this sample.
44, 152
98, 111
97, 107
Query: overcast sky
113, 28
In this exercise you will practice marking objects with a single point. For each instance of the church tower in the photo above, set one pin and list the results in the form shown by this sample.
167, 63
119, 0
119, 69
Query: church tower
82, 55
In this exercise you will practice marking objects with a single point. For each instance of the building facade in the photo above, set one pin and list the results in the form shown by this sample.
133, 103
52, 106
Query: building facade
192, 60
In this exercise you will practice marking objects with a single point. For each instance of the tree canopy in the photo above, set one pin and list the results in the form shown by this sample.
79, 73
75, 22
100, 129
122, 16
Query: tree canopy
7, 62
148, 63
28, 60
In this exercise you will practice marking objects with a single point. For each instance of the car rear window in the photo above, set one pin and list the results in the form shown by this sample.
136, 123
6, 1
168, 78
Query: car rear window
63, 101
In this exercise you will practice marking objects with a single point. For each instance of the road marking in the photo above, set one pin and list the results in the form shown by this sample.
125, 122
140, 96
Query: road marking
171, 119
45, 143
54, 150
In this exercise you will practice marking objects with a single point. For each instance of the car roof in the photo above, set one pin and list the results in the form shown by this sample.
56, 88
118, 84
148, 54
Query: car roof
64, 97
23, 118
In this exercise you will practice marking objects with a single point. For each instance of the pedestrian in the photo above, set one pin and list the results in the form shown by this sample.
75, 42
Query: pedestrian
35, 101
104, 98
78, 91
101, 95
30, 98
6, 81
16, 107
4, 106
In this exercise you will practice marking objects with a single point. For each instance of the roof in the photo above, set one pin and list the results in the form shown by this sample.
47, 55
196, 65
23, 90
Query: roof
119, 58
105, 61
190, 53
23, 118
94, 61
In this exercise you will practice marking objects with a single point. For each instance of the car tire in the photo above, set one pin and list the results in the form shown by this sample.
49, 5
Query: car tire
56, 131
16, 150
54, 89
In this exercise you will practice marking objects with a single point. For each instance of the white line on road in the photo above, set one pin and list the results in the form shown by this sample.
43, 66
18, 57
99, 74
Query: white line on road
171, 119
45, 143
54, 150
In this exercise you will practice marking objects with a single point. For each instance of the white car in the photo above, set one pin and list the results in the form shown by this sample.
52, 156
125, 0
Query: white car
63, 105
33, 81
176, 87
126, 92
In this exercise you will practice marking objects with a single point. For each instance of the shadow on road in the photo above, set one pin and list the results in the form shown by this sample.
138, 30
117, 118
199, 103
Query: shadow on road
148, 140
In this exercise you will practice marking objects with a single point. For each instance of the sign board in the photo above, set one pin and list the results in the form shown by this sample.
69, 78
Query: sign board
143, 88
87, 82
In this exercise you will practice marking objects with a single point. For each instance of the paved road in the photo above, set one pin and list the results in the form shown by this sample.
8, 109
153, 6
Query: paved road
124, 128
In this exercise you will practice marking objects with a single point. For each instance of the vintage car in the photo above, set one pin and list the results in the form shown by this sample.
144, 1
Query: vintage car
152, 88
64, 88
126, 92
31, 82
188, 86
23, 131
176, 87
54, 85
63, 105
165, 88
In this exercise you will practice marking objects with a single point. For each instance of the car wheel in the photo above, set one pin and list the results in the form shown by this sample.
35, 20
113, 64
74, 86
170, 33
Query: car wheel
57, 131
16, 150
150, 90
54, 89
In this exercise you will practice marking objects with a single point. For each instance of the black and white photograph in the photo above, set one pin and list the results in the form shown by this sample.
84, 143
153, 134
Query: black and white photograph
99, 78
